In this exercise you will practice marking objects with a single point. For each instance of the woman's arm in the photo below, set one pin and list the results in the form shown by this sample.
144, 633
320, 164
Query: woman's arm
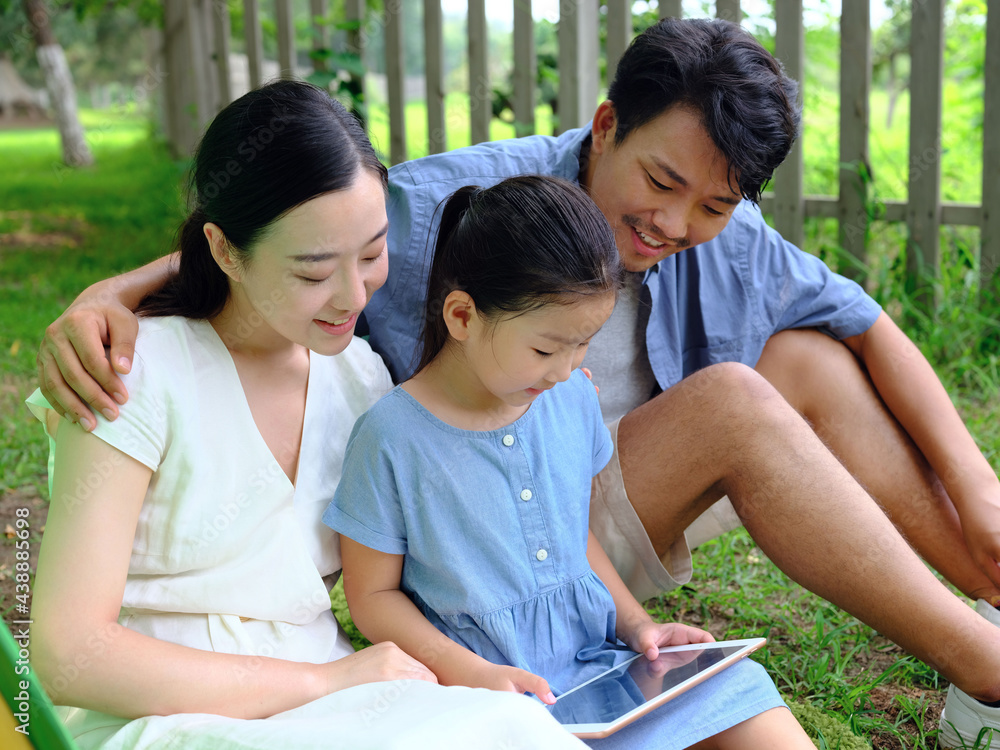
72, 359
913, 394
634, 625
384, 613
85, 658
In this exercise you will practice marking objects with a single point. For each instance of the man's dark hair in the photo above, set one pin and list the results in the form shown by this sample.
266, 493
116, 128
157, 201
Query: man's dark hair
748, 106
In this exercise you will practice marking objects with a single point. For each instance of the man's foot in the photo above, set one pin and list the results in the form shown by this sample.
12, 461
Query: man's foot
967, 723
988, 611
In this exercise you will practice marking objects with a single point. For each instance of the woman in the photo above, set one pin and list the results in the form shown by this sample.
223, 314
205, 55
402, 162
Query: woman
182, 590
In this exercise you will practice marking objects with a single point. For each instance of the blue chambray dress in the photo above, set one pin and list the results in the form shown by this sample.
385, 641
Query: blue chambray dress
493, 527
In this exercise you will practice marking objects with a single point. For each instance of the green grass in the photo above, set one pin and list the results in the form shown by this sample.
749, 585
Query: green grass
73, 227
81, 226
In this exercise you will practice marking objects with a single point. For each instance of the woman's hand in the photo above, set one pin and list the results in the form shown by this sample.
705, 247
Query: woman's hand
379, 663
511, 679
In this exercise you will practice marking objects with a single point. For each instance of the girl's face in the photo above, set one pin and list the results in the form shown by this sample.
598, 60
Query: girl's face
314, 272
519, 357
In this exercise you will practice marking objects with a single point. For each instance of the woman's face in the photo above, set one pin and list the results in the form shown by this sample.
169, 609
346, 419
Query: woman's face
314, 272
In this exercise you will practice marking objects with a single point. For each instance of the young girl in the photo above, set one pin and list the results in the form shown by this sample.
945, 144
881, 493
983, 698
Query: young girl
182, 595
463, 507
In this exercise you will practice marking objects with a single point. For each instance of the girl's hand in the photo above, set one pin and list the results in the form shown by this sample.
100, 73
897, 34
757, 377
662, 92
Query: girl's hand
647, 638
379, 663
512, 679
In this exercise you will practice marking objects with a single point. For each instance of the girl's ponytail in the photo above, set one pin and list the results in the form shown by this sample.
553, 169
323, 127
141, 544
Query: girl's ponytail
445, 268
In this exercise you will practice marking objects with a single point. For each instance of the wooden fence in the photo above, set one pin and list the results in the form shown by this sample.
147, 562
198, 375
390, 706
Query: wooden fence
196, 51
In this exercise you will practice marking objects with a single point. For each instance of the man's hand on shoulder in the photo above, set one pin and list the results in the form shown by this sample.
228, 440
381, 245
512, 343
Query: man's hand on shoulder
82, 354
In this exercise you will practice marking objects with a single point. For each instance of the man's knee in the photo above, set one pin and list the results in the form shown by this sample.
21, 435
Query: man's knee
730, 384
809, 368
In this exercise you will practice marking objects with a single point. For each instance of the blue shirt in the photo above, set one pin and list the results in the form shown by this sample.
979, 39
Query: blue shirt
492, 526
717, 302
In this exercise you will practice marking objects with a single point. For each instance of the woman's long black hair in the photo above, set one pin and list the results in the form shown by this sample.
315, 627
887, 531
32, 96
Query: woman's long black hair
267, 152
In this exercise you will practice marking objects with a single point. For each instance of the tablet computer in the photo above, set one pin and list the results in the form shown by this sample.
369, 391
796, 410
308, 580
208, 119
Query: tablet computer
604, 704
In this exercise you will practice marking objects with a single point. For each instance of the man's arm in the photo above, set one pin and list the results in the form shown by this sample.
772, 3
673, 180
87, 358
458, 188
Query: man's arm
74, 369
913, 394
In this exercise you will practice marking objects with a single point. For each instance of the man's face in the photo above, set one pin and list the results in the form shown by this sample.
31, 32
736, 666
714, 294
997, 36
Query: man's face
664, 189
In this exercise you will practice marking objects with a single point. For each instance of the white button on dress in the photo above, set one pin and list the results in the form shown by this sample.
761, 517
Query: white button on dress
541, 555
508, 440
526, 495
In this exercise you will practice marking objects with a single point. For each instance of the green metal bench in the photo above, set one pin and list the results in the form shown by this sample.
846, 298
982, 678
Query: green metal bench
27, 718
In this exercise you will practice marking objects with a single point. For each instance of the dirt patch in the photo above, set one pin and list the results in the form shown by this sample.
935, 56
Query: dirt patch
26, 123
899, 704
23, 504
26, 229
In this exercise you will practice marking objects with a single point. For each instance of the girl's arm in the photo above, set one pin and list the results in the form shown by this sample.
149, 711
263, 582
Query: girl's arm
634, 625
383, 613
85, 658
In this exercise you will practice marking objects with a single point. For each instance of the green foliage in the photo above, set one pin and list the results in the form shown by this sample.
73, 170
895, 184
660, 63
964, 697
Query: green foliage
339, 71
103, 41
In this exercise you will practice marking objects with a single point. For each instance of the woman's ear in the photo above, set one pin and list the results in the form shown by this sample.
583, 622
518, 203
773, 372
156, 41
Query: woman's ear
460, 315
222, 251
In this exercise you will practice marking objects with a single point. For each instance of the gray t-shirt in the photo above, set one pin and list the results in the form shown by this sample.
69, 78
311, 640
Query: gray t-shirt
617, 355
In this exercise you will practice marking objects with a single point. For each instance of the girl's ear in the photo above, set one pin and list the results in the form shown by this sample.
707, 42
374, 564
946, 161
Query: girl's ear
459, 314
221, 251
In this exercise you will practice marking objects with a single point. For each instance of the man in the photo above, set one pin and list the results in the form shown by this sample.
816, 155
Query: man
698, 118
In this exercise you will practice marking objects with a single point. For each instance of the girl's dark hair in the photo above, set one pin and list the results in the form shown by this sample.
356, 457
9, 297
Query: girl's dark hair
749, 107
266, 153
521, 244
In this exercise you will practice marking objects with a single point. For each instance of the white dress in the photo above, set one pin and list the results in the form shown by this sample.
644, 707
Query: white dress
229, 556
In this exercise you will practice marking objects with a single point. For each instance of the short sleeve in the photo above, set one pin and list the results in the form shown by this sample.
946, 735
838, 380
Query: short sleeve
394, 315
603, 446
141, 429
797, 290
366, 506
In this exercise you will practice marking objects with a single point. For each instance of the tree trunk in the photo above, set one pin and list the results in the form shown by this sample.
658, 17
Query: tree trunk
59, 82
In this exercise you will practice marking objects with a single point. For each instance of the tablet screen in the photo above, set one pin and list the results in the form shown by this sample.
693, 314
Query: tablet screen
620, 695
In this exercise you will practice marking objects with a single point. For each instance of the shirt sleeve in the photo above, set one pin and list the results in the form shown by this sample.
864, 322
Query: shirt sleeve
142, 428
603, 447
366, 506
394, 316
794, 289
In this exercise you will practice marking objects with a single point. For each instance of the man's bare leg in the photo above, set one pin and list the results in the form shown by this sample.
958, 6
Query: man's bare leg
726, 430
824, 381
